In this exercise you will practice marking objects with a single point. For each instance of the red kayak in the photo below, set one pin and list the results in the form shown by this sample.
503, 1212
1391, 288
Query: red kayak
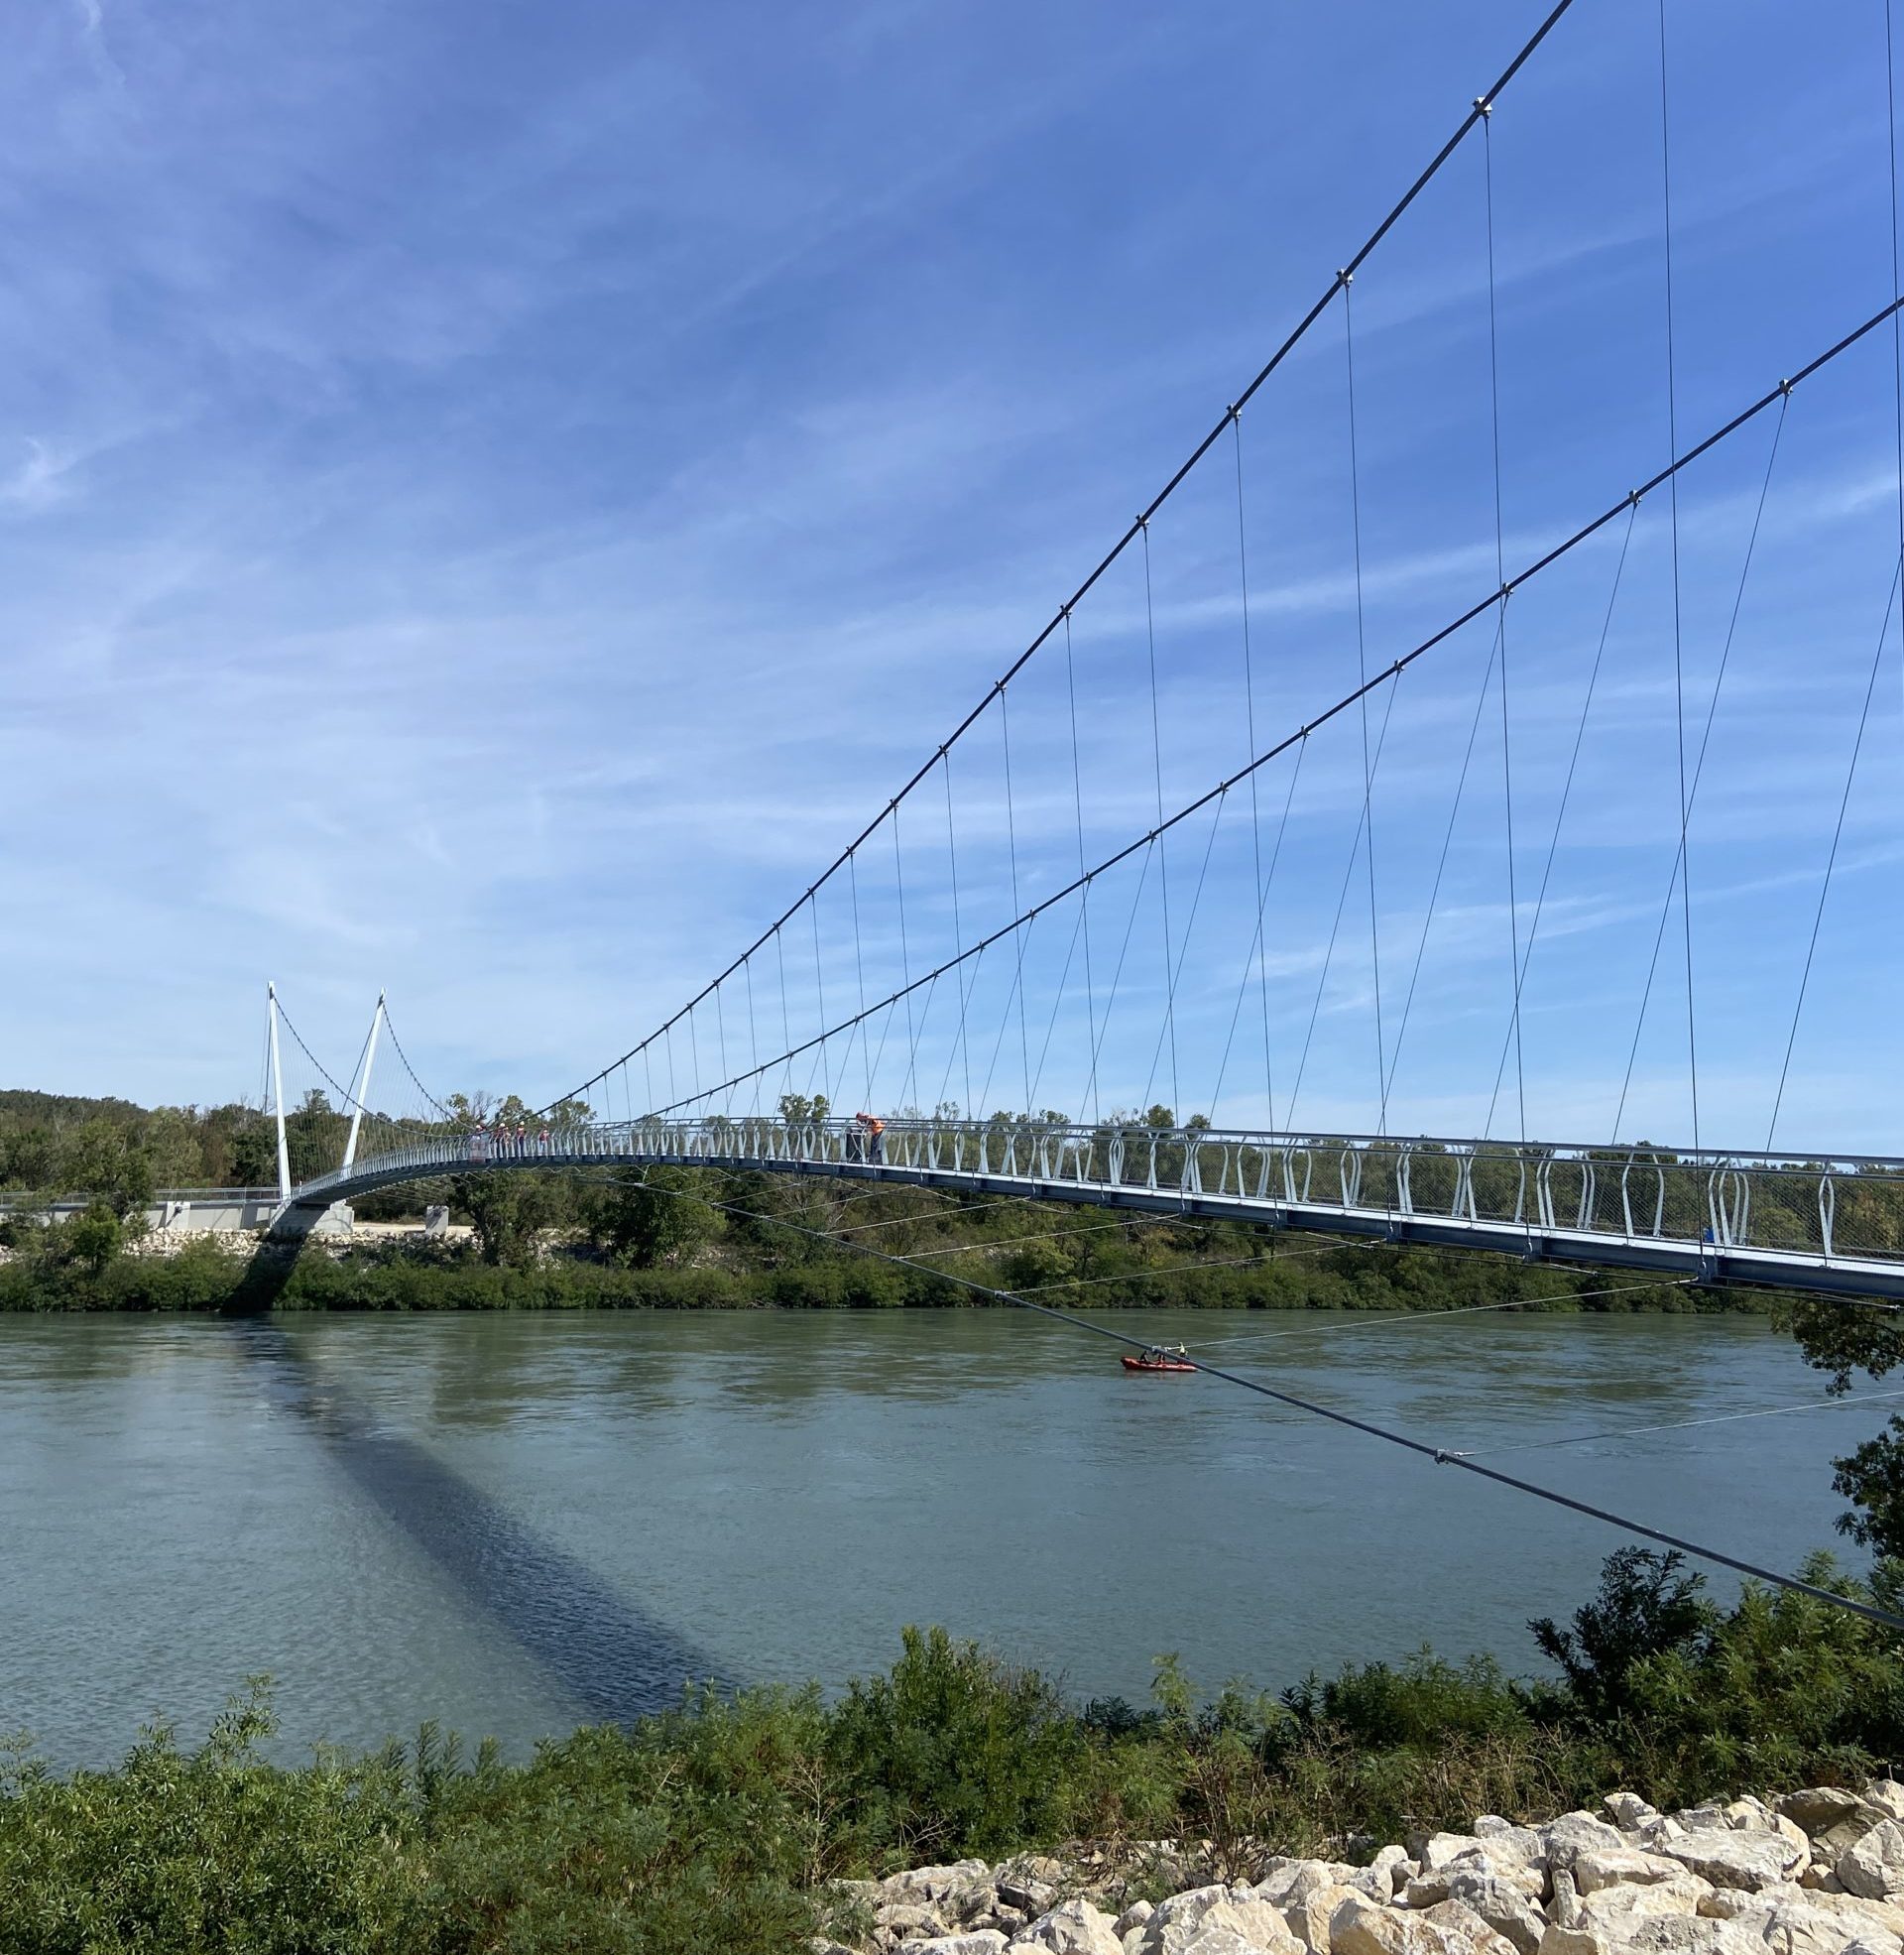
1157, 1361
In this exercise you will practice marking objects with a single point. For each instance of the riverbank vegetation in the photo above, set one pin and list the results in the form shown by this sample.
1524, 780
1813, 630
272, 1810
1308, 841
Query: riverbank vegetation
701, 1239
720, 1826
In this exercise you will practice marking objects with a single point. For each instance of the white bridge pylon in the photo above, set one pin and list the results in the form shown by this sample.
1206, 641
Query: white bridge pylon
1779, 1220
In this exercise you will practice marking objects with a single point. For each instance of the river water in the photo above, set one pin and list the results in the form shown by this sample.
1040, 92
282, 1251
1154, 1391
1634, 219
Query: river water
515, 1524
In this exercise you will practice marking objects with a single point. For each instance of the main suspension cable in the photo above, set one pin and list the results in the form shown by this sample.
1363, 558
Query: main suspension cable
1295, 337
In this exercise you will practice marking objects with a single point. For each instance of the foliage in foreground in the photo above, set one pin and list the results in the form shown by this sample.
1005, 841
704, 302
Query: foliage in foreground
717, 1826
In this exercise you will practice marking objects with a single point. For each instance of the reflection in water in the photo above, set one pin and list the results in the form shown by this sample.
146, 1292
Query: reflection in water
618, 1661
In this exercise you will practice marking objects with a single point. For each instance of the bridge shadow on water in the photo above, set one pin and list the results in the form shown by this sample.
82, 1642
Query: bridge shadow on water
615, 1658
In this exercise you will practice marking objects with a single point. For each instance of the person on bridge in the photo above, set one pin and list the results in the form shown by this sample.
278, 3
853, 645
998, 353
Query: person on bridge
871, 1130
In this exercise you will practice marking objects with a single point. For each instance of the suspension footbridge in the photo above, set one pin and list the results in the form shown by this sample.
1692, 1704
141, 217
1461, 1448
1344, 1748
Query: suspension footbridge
1488, 731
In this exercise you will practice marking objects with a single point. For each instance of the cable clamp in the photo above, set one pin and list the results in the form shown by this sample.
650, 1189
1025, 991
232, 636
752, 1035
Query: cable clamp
1483, 106
1441, 1459
1344, 277
1234, 411
1785, 388
1632, 496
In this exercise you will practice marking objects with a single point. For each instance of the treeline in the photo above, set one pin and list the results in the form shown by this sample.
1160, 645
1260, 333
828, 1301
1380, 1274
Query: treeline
58, 1145
719, 1829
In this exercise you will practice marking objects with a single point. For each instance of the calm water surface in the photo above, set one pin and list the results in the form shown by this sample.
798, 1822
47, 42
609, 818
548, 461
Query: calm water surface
515, 1523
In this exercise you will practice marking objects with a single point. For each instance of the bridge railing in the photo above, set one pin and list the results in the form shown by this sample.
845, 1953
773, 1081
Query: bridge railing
1848, 1208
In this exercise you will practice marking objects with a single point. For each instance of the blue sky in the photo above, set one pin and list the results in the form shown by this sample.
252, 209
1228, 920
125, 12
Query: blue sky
490, 499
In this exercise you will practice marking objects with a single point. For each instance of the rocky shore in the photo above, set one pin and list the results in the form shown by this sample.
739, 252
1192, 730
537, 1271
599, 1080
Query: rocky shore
1810, 1873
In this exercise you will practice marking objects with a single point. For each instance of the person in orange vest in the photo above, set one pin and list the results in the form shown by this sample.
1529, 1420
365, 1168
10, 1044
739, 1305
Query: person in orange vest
871, 1127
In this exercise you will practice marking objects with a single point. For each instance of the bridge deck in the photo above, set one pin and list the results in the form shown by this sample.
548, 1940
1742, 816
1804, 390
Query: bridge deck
1794, 1224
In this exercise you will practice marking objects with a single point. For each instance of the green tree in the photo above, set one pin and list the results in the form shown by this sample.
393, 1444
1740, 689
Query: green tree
1644, 1608
1845, 1339
93, 1238
252, 1155
101, 1160
508, 1209
645, 1221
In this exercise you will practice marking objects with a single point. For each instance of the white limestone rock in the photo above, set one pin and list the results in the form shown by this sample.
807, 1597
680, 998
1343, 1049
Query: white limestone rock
980, 1941
1575, 1833
1360, 1928
1390, 1872
1738, 1859
1178, 1921
1310, 1916
1666, 1934
1633, 1902
1819, 1809
1873, 1865
1791, 1928
1500, 1836
1216, 1939
1510, 1911
1608, 1867
1438, 1849
1629, 1811
912, 1919
1074, 1927
1482, 1864
1563, 1898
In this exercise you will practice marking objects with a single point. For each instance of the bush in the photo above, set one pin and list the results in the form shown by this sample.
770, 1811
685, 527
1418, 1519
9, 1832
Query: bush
955, 1753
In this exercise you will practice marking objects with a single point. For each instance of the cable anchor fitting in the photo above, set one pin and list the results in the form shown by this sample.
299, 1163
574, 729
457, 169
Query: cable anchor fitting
1484, 108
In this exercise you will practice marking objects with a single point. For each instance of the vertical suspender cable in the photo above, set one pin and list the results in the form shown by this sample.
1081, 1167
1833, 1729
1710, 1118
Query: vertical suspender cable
786, 1026
1255, 813
819, 993
1017, 939
858, 968
1084, 894
1163, 859
752, 1033
966, 980
1501, 573
1361, 680
905, 966
1784, 397
1679, 682
1566, 793
719, 1032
